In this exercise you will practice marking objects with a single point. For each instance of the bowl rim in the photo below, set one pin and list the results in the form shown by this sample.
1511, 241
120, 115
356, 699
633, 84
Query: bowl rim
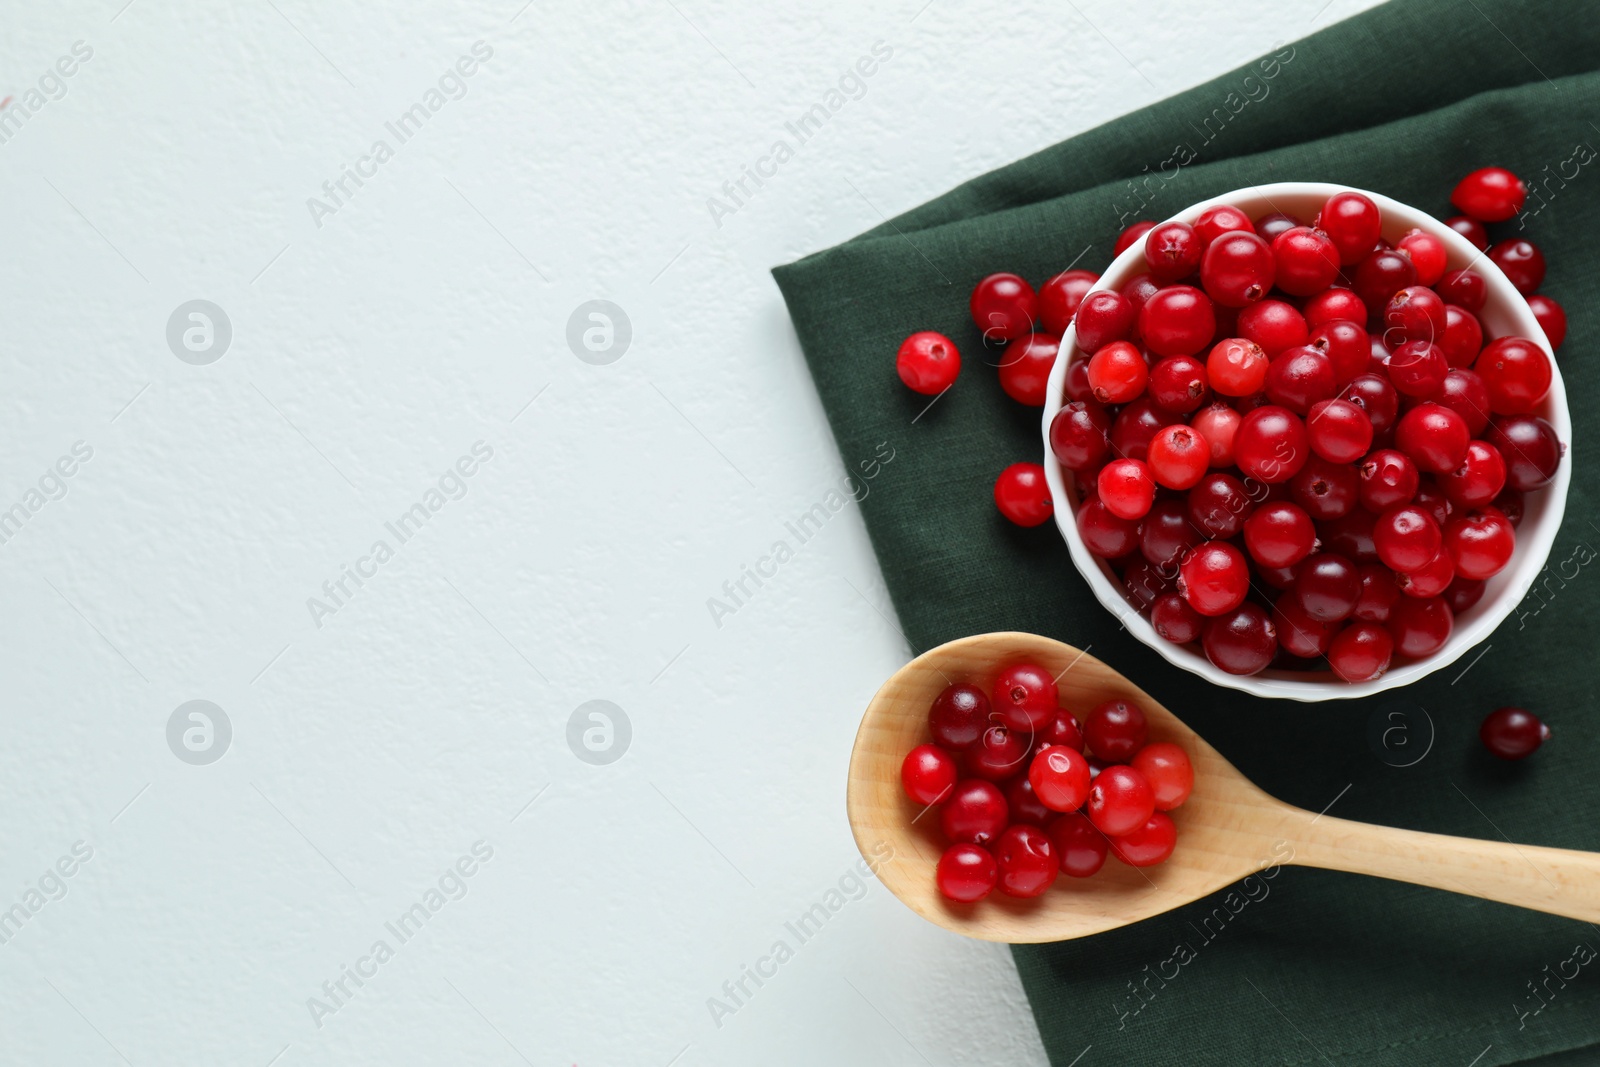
1535, 538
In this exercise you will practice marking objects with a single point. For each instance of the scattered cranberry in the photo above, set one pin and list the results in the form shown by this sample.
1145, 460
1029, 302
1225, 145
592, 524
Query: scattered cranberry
1025, 367
1003, 307
966, 873
1522, 263
1022, 495
1492, 194
1513, 733
928, 773
1552, 320
928, 362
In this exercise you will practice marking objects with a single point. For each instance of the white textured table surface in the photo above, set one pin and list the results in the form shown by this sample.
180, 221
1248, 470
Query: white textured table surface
394, 717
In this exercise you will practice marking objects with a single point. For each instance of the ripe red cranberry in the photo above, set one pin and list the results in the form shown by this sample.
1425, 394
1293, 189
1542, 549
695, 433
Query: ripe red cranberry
1142, 583
1167, 768
1465, 394
1339, 430
1178, 456
1414, 313
1114, 731
1513, 733
928, 773
1118, 373
1279, 534
1078, 387
1120, 801
1025, 367
1517, 373
1373, 394
1346, 345
958, 716
1103, 533
1382, 274
1361, 652
1179, 384
1420, 627
1490, 194
1136, 426
966, 874
1149, 844
1166, 533
1431, 579
1510, 504
1138, 290
1431, 499
1298, 633
1102, 318
928, 362
1434, 437
1522, 263
1242, 641
1216, 221
1299, 378
1126, 488
1027, 861
1480, 542
1326, 490
1003, 307
1022, 494
1274, 325
975, 814
1025, 698
1214, 578
1060, 296
1464, 288
1552, 320
1081, 848
1269, 226
1060, 778
998, 755
1172, 250
1335, 303
1530, 448
1463, 593
1218, 505
1237, 367
1271, 444
1126, 239
1478, 480
1350, 536
1388, 479
1417, 368
1379, 592
1062, 729
1427, 254
1178, 320
1078, 435
1218, 423
1463, 336
1351, 221
1174, 620
1406, 537
1326, 586
1238, 269
1307, 260
1471, 229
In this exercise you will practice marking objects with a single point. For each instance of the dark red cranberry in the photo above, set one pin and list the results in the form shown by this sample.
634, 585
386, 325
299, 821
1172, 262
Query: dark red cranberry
1175, 620
1373, 394
1512, 733
1241, 641
1465, 394
1464, 288
1471, 229
958, 717
1299, 378
1060, 296
1326, 490
1521, 261
1380, 275
1003, 307
1530, 448
1552, 319
1218, 505
1078, 435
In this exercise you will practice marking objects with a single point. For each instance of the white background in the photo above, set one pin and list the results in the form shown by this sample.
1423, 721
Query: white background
368, 354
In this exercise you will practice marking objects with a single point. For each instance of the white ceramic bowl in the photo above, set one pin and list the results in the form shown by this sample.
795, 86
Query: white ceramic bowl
1505, 312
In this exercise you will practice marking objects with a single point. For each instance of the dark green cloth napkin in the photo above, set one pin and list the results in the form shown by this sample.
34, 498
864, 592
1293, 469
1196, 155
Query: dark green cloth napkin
1313, 967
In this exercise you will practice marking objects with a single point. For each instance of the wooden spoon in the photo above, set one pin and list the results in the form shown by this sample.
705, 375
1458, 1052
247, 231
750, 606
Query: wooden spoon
1227, 830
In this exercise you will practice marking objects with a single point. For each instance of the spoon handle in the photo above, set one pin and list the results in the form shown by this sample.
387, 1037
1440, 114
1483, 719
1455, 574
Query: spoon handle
1555, 880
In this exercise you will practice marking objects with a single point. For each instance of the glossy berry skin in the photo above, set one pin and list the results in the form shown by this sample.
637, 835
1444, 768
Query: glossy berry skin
1299, 378
1060, 296
1270, 226
1077, 385
1274, 325
958, 716
1373, 394
1379, 592
1128, 237
1431, 579
1214, 578
966, 874
1166, 534
1080, 848
1103, 533
1115, 730
1434, 437
1380, 275
1464, 288
928, 362
1326, 490
1218, 506
1003, 307
1478, 480
1465, 394
1025, 697
1517, 374
1414, 313
1149, 845
1126, 488
1522, 263
1462, 594
1178, 456
1490, 194
1027, 861
1120, 801
1118, 373
1025, 367
1271, 444
1335, 303
1022, 494
1513, 733
1279, 534
1463, 336
1242, 641
1136, 425
1347, 346
1172, 251
975, 812
1179, 384
1102, 318
1471, 229
1177, 321
1529, 446
1406, 538
1060, 778
1237, 367
1062, 729
1351, 221
1078, 435
1307, 261
1238, 269
1427, 254
1388, 479
1174, 620
1216, 221
1339, 431
999, 753
1480, 542
1351, 536
1552, 319
1417, 369
1167, 768
1326, 587
1361, 652
1218, 423
1420, 627
928, 773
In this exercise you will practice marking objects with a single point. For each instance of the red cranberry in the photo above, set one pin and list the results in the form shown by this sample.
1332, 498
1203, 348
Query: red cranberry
1478, 480
1022, 494
1214, 578
1271, 444
1114, 731
1326, 490
1238, 269
1378, 595
1517, 374
1062, 729
1167, 768
1480, 542
1279, 534
1431, 579
1027, 861
1380, 275
975, 814
1166, 533
1431, 498
1237, 367
1218, 505
1003, 307
1552, 320
1463, 288
1427, 254
1361, 652
1102, 318
1179, 384
1406, 537
1530, 448
1308, 261
1242, 641
1463, 336
1126, 488
1060, 778
1339, 430
1465, 394
999, 754
1025, 697
959, 715
1351, 221
1299, 378
1025, 367
1136, 426
1128, 237
928, 362
1350, 536
1434, 437
1105, 534
1078, 387
1174, 620
1218, 423
1388, 479
1471, 229
1513, 733
1490, 194
1178, 456
1078, 435
1178, 320
1373, 394
1142, 583
928, 773
1216, 221
966, 874
1463, 593
1274, 325
1420, 627
1118, 373
1414, 313
1417, 368
1335, 303
1522, 263
1149, 844
1298, 633
1346, 345
1269, 226
1120, 801
1172, 251
1326, 587
1060, 296
1138, 290
1081, 848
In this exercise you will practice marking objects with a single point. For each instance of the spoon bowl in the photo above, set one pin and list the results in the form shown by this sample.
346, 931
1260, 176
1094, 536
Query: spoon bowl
1227, 830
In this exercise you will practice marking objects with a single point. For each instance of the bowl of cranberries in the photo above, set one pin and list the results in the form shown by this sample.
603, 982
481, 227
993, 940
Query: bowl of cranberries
1309, 442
